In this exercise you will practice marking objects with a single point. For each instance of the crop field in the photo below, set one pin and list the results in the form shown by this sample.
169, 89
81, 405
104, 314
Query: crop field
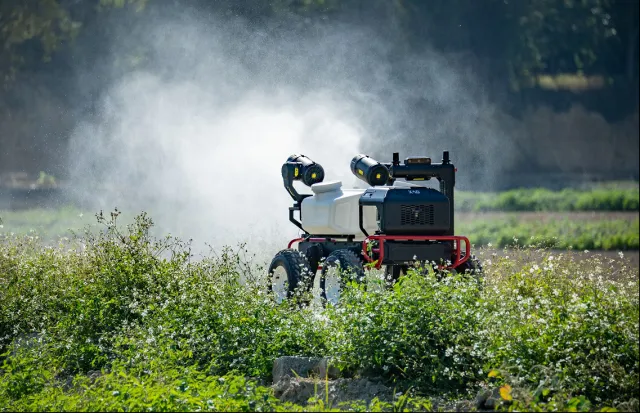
119, 319
603, 218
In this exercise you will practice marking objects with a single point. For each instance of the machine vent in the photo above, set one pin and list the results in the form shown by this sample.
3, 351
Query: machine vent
417, 215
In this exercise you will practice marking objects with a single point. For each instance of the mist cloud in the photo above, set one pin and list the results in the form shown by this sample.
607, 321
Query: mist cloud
197, 135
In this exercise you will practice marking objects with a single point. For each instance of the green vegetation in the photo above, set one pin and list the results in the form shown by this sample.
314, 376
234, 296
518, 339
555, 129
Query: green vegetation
124, 321
499, 230
598, 199
46, 223
616, 234
522, 49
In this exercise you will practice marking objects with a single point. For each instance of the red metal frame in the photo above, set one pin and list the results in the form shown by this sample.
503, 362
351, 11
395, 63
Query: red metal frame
382, 238
293, 241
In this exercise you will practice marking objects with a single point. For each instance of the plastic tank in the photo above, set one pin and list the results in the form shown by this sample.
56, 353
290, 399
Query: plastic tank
333, 210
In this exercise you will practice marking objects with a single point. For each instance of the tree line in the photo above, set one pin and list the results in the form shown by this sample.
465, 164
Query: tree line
522, 41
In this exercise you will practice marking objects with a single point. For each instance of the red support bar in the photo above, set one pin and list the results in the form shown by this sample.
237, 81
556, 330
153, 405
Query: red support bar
382, 238
293, 241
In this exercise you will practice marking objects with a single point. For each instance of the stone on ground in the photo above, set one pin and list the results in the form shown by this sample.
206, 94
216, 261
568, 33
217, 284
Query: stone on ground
305, 367
300, 390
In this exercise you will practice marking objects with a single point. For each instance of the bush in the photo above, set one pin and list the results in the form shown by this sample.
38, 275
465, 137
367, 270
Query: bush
545, 200
122, 321
421, 333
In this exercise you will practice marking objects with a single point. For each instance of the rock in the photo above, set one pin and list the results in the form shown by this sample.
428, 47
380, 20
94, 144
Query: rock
488, 399
291, 366
325, 369
294, 390
297, 379
300, 390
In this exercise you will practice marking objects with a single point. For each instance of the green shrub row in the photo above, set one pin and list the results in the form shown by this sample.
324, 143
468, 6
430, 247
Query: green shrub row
618, 234
128, 322
612, 199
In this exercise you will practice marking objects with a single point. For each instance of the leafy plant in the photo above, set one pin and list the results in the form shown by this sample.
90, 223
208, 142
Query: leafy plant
121, 320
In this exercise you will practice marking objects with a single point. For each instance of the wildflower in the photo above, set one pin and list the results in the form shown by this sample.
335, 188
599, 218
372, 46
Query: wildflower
620, 253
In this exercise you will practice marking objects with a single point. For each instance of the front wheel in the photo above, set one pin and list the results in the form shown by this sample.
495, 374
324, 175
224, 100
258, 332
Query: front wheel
289, 271
339, 267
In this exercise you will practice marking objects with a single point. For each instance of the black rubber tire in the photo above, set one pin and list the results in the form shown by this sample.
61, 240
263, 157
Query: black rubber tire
472, 266
297, 268
349, 263
392, 273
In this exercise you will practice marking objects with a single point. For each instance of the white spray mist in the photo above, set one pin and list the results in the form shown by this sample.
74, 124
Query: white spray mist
198, 135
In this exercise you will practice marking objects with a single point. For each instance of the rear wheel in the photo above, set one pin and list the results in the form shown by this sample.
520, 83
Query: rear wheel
392, 273
340, 267
472, 266
289, 271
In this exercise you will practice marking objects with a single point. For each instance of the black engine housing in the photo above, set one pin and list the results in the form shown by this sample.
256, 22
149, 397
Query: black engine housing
409, 211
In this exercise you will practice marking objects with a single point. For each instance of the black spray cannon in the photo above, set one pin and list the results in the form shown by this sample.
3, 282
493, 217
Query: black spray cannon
421, 168
300, 168
369, 170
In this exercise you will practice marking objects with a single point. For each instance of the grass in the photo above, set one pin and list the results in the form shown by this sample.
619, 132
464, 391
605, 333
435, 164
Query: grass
47, 223
583, 232
558, 233
602, 198
125, 321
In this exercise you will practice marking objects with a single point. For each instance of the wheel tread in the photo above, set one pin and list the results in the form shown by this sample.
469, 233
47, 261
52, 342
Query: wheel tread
296, 264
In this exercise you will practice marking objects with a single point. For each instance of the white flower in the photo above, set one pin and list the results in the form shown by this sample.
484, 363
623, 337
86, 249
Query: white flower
621, 254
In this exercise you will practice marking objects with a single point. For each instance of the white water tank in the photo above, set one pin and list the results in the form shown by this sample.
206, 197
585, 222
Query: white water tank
334, 211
